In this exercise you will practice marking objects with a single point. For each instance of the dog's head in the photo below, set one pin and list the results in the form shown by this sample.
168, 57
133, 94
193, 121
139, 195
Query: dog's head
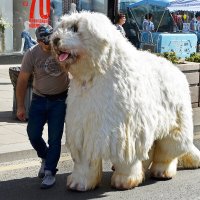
82, 36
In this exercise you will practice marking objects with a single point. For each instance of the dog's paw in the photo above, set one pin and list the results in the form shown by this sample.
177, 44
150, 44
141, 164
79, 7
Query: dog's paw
74, 183
190, 160
79, 184
163, 170
123, 182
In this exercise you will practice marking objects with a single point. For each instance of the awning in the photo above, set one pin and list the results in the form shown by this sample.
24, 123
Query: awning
184, 5
161, 3
171, 5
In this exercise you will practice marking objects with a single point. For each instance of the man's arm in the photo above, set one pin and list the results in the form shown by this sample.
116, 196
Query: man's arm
21, 88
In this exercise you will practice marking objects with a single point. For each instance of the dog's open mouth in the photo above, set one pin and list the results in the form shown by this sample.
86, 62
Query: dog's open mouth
62, 56
66, 55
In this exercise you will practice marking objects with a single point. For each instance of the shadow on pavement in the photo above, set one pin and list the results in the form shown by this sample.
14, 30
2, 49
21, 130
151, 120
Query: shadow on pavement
28, 189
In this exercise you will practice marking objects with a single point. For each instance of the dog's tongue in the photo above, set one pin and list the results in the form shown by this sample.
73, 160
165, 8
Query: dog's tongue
63, 56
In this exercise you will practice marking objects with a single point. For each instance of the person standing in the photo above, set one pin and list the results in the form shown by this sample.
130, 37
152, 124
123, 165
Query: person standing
147, 24
174, 22
195, 23
198, 22
121, 19
50, 86
72, 8
56, 7
195, 27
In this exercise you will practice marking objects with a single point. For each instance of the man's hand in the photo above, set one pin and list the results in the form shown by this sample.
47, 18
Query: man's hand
21, 113
21, 88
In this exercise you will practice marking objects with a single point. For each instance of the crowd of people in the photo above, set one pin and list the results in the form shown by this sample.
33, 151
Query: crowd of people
178, 22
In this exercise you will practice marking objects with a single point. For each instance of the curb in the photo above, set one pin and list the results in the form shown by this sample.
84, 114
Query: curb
24, 154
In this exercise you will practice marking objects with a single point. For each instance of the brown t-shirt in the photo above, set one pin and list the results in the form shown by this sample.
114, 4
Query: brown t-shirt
48, 75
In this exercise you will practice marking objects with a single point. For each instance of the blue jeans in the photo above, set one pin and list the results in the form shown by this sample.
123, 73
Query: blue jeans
43, 110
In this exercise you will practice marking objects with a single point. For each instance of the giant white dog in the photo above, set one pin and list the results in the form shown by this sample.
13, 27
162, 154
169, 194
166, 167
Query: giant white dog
123, 104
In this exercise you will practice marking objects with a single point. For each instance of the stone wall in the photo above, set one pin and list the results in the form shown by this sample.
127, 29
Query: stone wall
192, 72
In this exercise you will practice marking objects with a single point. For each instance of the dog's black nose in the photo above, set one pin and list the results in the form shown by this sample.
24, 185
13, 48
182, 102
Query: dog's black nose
55, 41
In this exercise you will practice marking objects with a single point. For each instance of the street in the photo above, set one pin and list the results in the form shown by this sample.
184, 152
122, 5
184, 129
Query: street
18, 181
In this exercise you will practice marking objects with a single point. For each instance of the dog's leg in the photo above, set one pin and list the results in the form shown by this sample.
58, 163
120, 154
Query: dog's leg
191, 156
178, 142
164, 164
191, 159
127, 176
86, 175
166, 154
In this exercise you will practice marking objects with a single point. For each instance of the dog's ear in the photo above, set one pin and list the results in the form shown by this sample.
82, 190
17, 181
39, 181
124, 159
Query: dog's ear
99, 27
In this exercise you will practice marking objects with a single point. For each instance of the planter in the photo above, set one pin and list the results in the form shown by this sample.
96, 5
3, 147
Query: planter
192, 72
14, 73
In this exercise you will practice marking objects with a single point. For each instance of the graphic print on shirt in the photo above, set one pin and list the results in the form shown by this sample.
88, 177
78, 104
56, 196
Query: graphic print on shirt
51, 67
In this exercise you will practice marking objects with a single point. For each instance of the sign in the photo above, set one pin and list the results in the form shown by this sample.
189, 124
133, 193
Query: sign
39, 12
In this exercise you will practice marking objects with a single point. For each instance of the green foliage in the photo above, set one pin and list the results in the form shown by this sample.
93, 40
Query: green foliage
194, 57
171, 56
4, 24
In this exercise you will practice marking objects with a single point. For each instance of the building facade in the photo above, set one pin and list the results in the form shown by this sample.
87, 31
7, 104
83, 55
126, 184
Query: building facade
17, 12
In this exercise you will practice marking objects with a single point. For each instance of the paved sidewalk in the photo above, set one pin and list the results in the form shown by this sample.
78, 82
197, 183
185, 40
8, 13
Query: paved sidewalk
14, 143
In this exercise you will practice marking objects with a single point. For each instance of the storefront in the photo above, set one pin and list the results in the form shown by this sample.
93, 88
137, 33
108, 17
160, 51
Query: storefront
17, 12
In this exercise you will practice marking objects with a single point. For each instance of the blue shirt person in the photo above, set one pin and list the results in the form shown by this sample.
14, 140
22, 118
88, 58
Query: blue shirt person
195, 26
147, 23
27, 40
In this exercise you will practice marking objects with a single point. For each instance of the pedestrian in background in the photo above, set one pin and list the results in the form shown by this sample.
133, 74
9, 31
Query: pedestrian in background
121, 19
56, 11
50, 85
147, 24
195, 23
195, 27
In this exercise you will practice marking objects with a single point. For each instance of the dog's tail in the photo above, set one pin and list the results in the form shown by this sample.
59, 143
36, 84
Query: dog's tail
190, 159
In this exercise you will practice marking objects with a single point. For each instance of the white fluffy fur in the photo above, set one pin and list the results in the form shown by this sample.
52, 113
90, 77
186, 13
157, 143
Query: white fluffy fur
122, 103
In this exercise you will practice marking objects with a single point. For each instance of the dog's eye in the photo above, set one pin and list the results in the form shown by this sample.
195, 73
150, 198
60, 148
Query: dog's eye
74, 28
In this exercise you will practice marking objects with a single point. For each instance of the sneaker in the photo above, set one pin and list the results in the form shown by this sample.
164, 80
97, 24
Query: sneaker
48, 181
41, 171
